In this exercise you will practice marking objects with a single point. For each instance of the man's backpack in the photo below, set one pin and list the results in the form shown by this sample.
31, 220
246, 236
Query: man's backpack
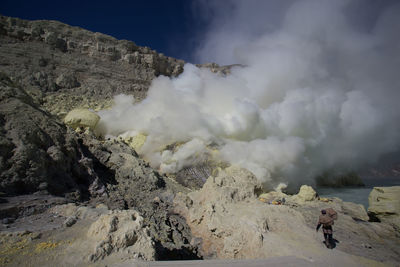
332, 213
325, 220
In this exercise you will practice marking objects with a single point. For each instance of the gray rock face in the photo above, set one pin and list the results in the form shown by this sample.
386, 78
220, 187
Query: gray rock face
37, 153
70, 221
85, 69
138, 186
40, 154
195, 176
67, 80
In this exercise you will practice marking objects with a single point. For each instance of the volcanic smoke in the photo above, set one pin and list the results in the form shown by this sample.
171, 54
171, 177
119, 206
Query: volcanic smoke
315, 93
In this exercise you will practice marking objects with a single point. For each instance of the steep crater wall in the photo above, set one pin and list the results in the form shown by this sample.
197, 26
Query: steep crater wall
64, 67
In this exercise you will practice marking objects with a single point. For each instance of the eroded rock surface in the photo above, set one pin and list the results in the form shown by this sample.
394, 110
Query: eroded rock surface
234, 221
67, 67
384, 203
138, 186
121, 231
37, 152
98, 237
41, 155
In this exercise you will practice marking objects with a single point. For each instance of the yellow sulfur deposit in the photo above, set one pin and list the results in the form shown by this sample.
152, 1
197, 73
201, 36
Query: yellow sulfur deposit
136, 142
81, 118
46, 245
10, 248
324, 199
263, 200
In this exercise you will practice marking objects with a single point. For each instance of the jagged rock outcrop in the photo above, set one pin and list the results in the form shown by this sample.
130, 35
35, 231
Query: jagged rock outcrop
40, 154
384, 204
37, 152
67, 67
138, 186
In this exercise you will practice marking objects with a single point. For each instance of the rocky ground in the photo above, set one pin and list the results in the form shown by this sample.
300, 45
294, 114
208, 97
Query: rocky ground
234, 221
69, 197
227, 218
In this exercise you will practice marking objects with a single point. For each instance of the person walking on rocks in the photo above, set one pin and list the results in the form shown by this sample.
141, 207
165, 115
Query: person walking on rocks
326, 220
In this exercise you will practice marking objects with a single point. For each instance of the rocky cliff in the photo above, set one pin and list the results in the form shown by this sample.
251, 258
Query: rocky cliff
37, 152
47, 69
65, 67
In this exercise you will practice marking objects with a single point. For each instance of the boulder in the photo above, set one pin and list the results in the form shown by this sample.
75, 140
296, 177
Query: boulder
67, 80
306, 193
44, 80
70, 221
52, 39
356, 211
121, 231
384, 203
81, 118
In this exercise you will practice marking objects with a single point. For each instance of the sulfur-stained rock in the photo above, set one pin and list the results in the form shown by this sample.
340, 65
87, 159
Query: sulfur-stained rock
81, 118
232, 223
136, 142
384, 203
275, 196
306, 193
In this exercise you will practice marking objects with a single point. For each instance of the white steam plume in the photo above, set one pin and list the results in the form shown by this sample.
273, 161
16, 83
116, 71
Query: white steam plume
317, 92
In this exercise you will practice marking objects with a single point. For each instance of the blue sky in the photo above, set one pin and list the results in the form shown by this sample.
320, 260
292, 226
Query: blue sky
166, 26
197, 31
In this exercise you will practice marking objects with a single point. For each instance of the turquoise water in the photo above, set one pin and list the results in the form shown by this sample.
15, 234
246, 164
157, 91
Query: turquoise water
358, 194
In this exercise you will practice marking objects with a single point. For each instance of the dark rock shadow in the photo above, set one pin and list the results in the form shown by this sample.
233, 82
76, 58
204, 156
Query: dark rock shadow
166, 254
